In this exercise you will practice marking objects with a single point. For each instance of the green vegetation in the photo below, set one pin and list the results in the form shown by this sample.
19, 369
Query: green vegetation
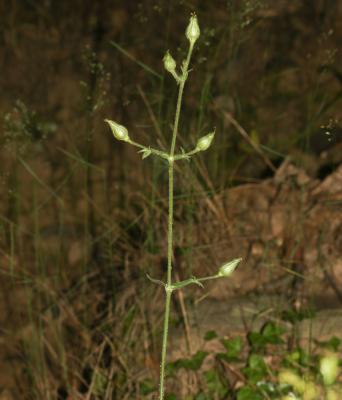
260, 366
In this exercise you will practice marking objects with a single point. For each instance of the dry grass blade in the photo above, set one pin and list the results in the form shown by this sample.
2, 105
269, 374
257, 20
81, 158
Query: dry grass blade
245, 135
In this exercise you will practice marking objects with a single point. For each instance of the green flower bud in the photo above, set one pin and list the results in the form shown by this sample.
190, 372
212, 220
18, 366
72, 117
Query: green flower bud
204, 142
169, 63
229, 267
192, 31
329, 368
119, 131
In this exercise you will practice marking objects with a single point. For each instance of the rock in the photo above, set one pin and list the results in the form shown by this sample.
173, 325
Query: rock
240, 315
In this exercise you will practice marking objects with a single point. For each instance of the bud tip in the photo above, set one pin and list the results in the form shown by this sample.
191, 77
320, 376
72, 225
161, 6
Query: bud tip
193, 31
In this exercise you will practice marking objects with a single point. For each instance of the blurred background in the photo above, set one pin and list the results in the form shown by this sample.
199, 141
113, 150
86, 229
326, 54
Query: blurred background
83, 218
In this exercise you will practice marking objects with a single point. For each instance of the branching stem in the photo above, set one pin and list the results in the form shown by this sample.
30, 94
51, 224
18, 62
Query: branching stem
168, 291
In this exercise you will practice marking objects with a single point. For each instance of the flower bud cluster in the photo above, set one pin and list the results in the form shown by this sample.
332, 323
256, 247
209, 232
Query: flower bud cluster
192, 33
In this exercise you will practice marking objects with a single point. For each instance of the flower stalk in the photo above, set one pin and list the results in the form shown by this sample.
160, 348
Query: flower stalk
121, 133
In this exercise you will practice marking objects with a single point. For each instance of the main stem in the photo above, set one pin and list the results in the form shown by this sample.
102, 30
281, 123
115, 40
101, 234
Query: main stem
168, 288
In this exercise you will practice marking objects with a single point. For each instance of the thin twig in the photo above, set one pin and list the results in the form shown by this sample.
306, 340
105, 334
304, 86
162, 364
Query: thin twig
185, 317
151, 114
97, 365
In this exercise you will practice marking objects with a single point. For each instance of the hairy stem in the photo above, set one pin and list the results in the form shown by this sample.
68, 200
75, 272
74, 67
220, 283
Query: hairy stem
185, 68
170, 223
164, 347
